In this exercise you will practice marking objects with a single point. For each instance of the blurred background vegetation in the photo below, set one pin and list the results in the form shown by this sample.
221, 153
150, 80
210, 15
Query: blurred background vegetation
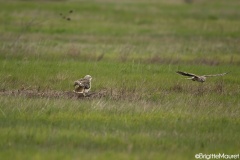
155, 31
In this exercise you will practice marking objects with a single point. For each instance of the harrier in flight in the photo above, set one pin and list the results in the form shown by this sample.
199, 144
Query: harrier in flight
83, 85
198, 78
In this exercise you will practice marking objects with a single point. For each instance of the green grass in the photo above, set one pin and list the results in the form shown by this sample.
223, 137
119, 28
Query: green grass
122, 31
42, 126
132, 50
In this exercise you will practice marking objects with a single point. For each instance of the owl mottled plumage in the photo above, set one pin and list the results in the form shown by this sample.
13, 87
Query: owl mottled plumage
83, 85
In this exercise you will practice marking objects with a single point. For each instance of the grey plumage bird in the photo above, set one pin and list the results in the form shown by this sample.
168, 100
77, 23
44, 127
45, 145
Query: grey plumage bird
83, 85
198, 78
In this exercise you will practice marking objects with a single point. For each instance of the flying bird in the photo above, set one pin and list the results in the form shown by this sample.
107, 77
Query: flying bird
66, 16
83, 85
198, 78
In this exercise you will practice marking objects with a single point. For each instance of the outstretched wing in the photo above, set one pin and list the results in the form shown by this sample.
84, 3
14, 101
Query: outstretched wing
186, 74
213, 75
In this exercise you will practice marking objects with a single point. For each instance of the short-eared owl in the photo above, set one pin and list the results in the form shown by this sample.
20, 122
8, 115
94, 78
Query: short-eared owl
83, 85
197, 78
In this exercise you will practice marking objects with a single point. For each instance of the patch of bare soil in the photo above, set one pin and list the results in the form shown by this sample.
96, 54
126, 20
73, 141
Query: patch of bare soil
34, 93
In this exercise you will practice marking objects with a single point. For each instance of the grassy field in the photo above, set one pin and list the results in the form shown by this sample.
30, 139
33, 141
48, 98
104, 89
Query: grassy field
132, 49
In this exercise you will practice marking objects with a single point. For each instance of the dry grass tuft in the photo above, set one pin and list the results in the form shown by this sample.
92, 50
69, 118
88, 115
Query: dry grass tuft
176, 88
